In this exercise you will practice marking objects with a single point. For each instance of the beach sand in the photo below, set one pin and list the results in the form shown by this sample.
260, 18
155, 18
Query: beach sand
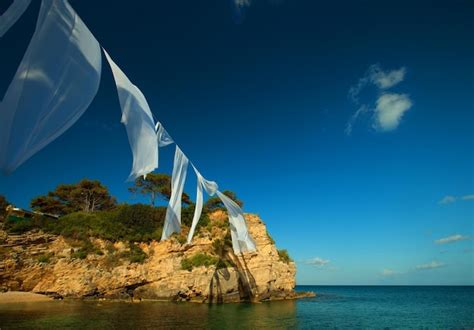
18, 297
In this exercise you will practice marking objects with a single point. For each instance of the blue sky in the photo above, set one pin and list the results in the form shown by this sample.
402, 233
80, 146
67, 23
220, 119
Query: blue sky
261, 102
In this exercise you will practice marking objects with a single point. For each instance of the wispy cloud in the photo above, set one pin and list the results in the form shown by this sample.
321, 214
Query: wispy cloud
319, 262
389, 107
448, 199
452, 239
386, 79
389, 272
468, 198
431, 265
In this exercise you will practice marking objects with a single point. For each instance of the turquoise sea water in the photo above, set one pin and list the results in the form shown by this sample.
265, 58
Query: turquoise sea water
352, 307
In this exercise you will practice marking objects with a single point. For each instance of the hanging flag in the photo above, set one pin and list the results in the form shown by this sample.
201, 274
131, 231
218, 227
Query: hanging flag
211, 188
55, 82
241, 239
12, 14
173, 212
138, 120
164, 139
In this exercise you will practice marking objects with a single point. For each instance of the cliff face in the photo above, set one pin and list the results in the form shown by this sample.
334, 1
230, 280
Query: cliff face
44, 263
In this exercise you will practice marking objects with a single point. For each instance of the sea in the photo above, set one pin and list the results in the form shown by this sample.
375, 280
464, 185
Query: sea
334, 307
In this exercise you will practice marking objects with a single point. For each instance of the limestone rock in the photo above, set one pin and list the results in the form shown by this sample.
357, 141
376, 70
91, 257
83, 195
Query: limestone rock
44, 263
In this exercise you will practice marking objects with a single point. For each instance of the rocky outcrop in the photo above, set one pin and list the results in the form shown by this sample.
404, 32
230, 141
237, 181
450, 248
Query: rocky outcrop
44, 263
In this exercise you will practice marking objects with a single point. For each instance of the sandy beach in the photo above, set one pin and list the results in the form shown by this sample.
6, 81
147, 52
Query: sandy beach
18, 297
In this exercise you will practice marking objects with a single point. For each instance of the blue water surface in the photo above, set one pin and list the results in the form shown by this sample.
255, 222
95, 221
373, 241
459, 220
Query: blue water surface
342, 307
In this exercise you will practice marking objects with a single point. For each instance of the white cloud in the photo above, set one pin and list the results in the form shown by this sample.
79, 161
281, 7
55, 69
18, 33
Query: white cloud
447, 199
389, 272
431, 265
451, 239
363, 109
386, 79
319, 262
390, 109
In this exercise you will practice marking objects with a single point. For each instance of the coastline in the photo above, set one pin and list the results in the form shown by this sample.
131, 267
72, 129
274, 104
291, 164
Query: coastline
11, 297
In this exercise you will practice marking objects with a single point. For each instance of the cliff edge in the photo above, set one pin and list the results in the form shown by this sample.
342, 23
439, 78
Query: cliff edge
205, 271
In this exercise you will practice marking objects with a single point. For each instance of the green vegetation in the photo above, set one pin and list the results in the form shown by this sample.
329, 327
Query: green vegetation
130, 223
284, 256
156, 185
135, 254
270, 238
214, 203
44, 258
86, 195
197, 260
87, 210
187, 214
85, 248
19, 225
3, 206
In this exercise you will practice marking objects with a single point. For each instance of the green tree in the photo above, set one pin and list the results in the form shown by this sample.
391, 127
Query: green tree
3, 205
214, 203
156, 186
86, 195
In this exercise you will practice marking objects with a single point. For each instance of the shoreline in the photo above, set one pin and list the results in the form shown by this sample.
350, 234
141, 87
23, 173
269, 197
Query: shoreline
12, 297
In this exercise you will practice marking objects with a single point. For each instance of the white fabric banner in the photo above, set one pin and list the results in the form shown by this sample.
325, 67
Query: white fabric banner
138, 120
55, 82
211, 188
241, 240
164, 139
12, 14
173, 212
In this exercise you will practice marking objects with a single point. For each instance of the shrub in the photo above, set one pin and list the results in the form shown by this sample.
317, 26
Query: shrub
187, 215
44, 259
86, 248
112, 260
18, 225
270, 238
182, 239
198, 260
137, 254
131, 223
284, 256
3, 206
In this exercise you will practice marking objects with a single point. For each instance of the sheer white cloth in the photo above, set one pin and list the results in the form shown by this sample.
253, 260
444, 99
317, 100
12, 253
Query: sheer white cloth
55, 82
164, 139
138, 120
173, 212
241, 239
12, 14
211, 188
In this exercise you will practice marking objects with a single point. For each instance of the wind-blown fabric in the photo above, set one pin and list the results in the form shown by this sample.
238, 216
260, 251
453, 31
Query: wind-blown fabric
12, 14
173, 212
164, 139
241, 240
138, 120
55, 82
211, 188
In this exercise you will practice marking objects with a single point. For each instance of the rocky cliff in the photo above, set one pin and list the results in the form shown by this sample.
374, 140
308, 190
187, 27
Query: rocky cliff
45, 263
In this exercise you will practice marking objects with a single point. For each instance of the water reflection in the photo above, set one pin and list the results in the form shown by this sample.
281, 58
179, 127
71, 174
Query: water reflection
105, 315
